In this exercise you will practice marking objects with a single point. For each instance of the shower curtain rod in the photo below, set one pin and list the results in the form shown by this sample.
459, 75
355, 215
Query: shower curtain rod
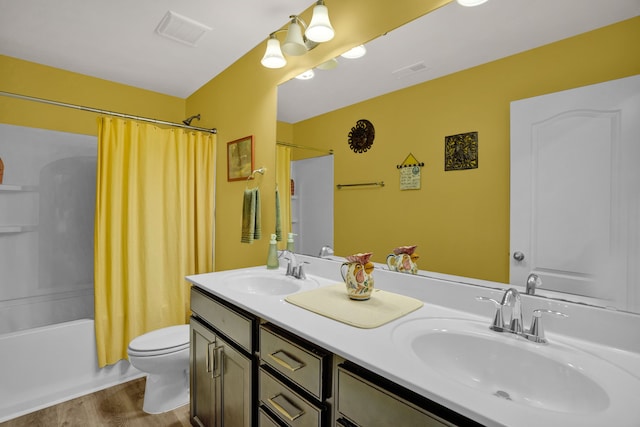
106, 112
288, 144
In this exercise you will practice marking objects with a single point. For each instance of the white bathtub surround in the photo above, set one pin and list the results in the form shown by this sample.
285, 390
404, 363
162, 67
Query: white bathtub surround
44, 366
593, 336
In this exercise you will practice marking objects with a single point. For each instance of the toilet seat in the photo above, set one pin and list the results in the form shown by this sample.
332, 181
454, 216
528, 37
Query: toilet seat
161, 341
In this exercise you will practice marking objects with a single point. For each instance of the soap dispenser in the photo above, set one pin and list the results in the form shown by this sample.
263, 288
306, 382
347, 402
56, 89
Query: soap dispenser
272, 256
290, 243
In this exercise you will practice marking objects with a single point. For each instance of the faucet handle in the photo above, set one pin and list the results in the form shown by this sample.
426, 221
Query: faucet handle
536, 332
299, 273
498, 322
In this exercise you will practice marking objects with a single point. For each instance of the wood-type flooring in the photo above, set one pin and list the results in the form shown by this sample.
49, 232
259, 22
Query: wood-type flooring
118, 406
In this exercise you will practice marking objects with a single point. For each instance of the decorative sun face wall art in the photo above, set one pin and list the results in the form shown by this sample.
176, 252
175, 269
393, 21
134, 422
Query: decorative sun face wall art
461, 151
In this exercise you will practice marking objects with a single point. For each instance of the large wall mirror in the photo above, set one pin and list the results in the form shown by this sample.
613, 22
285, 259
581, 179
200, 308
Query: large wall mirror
460, 221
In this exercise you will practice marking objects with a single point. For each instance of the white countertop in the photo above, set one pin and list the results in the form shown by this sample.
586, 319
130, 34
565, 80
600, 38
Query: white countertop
376, 350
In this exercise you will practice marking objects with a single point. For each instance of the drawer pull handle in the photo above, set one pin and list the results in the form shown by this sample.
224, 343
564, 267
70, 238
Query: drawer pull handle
286, 408
283, 359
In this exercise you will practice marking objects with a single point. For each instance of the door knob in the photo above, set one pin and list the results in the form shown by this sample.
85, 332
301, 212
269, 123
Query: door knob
518, 256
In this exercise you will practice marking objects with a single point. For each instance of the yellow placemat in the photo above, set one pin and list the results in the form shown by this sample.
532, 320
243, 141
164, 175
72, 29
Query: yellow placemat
333, 302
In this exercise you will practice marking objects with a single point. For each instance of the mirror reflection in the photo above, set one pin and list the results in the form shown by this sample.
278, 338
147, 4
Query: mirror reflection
305, 188
459, 220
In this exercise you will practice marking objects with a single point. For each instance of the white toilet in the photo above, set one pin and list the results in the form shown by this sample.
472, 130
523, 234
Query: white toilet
164, 355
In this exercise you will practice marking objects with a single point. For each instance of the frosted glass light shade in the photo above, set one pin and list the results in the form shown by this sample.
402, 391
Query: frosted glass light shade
356, 52
306, 75
273, 57
320, 29
470, 3
294, 44
328, 65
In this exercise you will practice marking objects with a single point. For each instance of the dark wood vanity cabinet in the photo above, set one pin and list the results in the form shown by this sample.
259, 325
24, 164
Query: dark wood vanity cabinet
222, 363
247, 372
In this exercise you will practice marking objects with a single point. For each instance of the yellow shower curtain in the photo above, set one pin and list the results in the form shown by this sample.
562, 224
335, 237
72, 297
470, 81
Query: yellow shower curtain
283, 181
153, 226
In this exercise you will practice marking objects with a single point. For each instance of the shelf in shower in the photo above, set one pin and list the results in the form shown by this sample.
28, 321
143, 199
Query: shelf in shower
8, 229
7, 187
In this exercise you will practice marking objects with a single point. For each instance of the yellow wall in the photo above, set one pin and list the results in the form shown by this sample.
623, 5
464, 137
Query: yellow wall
40, 81
458, 219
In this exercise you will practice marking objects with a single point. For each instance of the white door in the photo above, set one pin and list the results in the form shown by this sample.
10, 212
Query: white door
575, 188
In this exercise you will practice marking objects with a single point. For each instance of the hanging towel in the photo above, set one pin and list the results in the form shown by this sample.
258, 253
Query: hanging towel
257, 234
278, 224
251, 229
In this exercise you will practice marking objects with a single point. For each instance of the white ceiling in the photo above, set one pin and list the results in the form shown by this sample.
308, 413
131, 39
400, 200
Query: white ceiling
445, 41
116, 40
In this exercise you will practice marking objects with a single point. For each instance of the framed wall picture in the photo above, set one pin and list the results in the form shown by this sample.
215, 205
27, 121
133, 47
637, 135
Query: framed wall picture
240, 158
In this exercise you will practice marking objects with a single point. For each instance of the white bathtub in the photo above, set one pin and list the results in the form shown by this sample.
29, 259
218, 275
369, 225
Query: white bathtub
43, 366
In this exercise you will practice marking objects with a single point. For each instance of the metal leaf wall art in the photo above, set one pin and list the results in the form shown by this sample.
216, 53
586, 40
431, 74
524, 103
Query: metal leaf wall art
361, 136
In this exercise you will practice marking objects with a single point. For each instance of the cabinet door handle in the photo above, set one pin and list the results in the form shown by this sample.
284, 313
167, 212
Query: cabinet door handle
218, 362
283, 359
208, 360
286, 408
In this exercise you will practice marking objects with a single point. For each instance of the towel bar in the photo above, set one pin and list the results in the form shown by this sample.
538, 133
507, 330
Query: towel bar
379, 184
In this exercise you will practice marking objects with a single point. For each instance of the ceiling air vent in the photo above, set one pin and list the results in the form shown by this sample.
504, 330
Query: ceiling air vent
407, 71
181, 29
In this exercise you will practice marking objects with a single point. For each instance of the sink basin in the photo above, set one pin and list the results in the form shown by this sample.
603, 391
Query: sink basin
271, 283
552, 377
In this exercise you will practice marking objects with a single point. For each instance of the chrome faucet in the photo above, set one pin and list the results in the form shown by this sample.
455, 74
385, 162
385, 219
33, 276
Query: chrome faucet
294, 268
511, 301
325, 251
533, 282
508, 317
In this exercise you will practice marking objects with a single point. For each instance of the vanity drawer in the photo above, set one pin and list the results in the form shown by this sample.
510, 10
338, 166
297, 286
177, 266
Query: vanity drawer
301, 362
235, 325
265, 420
290, 407
366, 404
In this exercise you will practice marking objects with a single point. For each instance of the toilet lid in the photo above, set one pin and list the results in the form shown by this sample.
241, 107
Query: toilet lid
170, 339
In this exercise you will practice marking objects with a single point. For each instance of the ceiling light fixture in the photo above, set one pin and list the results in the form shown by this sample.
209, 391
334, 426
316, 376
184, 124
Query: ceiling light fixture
356, 52
273, 57
471, 3
320, 29
296, 43
328, 65
309, 74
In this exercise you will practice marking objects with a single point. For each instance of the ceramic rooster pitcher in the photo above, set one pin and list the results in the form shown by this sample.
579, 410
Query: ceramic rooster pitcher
403, 259
357, 274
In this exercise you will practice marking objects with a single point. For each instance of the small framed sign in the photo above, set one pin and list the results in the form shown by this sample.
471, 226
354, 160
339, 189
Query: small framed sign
410, 173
